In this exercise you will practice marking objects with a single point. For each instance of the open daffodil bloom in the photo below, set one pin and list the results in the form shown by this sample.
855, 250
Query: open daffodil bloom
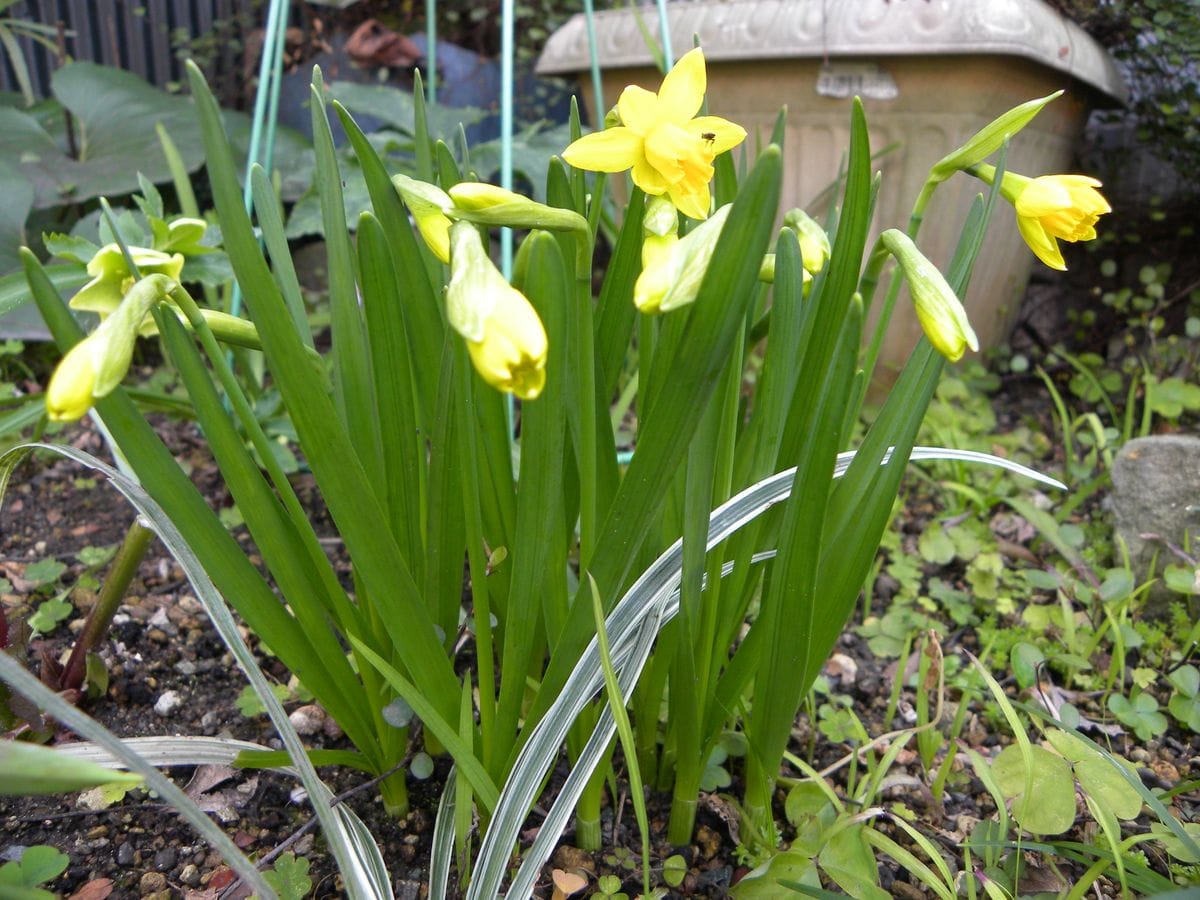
1051, 208
668, 147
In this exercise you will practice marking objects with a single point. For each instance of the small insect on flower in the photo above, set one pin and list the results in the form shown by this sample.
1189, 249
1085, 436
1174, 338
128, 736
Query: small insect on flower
708, 137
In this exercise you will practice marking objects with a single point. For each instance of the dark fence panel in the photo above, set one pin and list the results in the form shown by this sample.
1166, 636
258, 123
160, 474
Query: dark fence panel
148, 37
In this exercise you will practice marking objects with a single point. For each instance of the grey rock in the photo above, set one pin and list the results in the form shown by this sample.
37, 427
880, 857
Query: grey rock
165, 859
167, 703
1156, 498
125, 855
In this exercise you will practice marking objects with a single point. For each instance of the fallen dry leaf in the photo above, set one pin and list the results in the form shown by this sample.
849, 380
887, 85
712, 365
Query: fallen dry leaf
96, 889
567, 883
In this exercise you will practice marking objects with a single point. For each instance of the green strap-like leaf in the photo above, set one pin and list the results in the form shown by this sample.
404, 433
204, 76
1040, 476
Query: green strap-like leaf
713, 324
334, 461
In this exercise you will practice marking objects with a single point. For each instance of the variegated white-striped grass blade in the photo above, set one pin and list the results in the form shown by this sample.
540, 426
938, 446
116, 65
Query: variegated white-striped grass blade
632, 627
350, 854
442, 851
201, 750
13, 674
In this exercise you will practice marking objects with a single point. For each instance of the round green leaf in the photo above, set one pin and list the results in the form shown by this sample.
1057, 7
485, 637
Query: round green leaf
1049, 807
1025, 659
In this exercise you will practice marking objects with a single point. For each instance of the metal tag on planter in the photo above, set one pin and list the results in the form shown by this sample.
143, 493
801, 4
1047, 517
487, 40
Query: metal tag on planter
866, 80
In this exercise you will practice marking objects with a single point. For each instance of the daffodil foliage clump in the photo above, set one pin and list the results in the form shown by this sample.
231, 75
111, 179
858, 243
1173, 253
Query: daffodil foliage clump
721, 556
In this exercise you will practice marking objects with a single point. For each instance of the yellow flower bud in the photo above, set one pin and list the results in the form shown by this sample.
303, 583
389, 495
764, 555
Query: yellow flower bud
673, 268
505, 338
95, 366
70, 393
814, 242
428, 205
939, 310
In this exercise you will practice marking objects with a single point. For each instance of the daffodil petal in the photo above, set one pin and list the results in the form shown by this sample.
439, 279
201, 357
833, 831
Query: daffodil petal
612, 150
720, 134
693, 200
682, 91
1042, 244
639, 109
666, 147
648, 178
1041, 197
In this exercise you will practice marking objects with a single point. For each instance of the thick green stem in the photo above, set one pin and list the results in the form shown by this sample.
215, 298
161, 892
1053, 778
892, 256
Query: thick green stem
683, 812
587, 814
124, 567
394, 791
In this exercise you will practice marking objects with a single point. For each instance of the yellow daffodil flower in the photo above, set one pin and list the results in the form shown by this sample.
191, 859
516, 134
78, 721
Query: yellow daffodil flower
660, 138
95, 366
505, 337
939, 310
111, 278
1051, 208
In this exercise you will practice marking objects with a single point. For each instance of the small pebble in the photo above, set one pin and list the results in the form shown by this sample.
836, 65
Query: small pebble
167, 703
164, 860
210, 719
308, 719
190, 875
125, 856
185, 667
152, 882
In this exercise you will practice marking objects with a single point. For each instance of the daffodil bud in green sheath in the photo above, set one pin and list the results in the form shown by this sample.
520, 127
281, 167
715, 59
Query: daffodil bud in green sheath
938, 308
486, 204
112, 279
814, 247
814, 242
428, 205
505, 337
989, 139
95, 366
660, 236
676, 267
1051, 208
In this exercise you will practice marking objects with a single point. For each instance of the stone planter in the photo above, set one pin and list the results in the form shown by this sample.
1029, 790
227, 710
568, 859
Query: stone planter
930, 73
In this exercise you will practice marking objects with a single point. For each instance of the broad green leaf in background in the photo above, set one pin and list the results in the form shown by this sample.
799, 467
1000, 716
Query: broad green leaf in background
114, 113
18, 201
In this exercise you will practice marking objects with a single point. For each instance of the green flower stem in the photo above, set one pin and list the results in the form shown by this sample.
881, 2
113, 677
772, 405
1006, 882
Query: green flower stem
120, 574
585, 347
469, 461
